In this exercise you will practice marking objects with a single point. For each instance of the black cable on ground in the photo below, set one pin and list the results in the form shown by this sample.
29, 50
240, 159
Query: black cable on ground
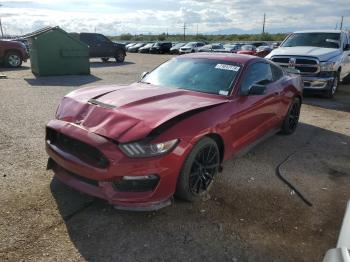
289, 184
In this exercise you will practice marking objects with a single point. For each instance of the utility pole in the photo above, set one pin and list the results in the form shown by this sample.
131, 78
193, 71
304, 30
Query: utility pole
2, 32
184, 28
197, 29
264, 24
341, 23
336, 26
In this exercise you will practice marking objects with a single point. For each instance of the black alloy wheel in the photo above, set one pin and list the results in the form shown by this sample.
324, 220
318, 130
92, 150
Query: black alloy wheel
291, 120
199, 170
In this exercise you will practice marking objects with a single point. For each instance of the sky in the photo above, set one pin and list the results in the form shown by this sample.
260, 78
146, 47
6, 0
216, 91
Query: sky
114, 17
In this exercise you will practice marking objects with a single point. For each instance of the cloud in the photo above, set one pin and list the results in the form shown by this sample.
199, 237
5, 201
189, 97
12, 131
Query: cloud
140, 16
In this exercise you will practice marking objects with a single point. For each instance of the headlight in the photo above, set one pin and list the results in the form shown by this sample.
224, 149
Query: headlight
140, 149
327, 66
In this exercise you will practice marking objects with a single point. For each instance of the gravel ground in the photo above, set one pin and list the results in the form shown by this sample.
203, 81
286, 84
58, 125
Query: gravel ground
250, 216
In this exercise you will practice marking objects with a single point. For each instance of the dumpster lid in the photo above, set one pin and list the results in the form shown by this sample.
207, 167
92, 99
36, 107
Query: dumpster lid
52, 28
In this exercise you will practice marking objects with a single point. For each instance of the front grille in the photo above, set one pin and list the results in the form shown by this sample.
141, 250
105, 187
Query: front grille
79, 149
306, 66
86, 180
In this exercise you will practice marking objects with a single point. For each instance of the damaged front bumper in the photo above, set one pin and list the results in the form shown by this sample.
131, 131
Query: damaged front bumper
95, 165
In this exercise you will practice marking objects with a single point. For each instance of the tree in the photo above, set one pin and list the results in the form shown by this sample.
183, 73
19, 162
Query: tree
126, 37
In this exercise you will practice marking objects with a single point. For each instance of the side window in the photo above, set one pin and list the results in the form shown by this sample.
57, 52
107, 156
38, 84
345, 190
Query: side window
277, 73
86, 38
101, 39
258, 73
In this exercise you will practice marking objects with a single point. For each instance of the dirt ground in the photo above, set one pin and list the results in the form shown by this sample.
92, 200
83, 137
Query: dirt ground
250, 216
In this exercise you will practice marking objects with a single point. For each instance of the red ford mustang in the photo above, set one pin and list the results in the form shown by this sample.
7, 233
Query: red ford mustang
138, 145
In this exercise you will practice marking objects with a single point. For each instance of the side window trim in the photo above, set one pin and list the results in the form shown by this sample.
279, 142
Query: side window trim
240, 91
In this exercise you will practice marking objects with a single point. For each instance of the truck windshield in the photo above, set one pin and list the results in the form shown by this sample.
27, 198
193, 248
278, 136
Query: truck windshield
326, 40
201, 75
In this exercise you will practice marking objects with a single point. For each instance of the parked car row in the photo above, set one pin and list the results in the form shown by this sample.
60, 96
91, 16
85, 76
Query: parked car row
256, 48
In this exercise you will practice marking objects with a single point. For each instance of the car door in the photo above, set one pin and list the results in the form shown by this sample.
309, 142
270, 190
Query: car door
90, 40
255, 115
105, 47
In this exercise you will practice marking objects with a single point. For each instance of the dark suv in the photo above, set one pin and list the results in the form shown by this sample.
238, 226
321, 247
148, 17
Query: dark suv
103, 47
160, 48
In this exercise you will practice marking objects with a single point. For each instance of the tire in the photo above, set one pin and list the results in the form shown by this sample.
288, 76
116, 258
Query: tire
333, 89
120, 57
13, 59
105, 59
198, 172
291, 120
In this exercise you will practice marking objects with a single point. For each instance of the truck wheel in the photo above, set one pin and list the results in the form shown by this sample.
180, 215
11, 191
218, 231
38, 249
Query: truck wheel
120, 57
13, 59
333, 88
105, 59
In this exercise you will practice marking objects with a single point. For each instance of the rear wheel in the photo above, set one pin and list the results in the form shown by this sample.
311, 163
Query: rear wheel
291, 120
199, 170
13, 59
120, 57
105, 59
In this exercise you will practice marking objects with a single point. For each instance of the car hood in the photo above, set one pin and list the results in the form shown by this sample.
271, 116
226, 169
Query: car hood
323, 54
130, 113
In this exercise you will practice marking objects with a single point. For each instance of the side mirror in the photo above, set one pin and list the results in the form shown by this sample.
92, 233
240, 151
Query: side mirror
143, 75
256, 89
347, 47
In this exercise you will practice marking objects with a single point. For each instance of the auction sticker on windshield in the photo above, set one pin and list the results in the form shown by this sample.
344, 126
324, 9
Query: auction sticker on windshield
227, 67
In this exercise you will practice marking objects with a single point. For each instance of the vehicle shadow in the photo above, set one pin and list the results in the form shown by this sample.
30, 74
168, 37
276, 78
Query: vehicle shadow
250, 216
8, 69
96, 64
66, 80
341, 101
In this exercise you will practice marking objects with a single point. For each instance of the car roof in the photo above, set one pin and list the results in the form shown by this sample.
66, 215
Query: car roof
242, 59
319, 31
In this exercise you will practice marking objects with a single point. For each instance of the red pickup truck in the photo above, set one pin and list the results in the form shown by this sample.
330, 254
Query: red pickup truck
12, 53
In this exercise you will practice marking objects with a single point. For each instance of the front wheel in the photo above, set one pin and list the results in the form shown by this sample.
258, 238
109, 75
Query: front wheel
334, 86
13, 59
120, 57
105, 59
199, 170
291, 120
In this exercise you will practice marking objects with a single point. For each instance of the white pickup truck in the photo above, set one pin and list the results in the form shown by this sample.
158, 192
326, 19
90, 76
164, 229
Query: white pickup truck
321, 56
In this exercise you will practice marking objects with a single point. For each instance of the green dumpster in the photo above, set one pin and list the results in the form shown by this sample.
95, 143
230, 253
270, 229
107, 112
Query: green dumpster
54, 52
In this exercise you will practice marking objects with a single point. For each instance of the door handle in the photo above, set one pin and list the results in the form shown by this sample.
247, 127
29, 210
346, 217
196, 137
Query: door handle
277, 93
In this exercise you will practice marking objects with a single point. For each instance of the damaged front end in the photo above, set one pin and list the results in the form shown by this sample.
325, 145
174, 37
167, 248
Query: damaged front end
110, 150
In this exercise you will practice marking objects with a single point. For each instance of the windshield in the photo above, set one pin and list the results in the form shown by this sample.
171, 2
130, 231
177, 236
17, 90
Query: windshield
201, 75
191, 44
248, 47
149, 45
179, 45
216, 46
326, 40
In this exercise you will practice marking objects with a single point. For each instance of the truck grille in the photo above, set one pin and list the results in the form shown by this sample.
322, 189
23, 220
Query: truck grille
79, 149
306, 65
